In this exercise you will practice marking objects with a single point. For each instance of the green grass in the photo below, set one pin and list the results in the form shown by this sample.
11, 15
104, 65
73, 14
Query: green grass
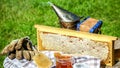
18, 17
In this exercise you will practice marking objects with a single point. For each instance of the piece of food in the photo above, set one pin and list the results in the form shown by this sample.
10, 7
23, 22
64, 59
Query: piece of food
19, 54
26, 55
42, 61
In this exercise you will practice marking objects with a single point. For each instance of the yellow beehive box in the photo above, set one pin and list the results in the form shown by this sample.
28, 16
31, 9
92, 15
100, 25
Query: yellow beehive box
76, 42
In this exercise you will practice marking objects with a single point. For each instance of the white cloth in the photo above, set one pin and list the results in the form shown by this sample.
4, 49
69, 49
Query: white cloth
88, 61
15, 63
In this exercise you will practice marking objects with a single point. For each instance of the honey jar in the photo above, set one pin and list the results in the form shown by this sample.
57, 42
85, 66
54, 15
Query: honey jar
63, 61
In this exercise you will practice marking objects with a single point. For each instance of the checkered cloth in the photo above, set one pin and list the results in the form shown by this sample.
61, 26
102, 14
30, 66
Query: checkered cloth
15, 63
83, 61
8, 63
86, 62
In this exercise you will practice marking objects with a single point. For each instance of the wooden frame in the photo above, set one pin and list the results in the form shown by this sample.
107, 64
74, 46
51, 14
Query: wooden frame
97, 37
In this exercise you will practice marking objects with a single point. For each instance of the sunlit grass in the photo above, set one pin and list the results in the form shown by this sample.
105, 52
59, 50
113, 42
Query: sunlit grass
18, 17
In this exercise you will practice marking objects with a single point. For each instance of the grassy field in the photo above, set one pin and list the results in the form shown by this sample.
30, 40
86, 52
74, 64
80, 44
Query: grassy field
18, 17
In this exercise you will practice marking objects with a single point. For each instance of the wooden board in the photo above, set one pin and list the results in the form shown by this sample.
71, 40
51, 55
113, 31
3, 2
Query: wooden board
88, 24
117, 49
97, 37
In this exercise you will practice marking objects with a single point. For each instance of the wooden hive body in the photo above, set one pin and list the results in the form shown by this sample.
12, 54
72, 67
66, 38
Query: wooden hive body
107, 41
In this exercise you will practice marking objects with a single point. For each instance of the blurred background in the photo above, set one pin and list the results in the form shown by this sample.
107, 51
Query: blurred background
18, 17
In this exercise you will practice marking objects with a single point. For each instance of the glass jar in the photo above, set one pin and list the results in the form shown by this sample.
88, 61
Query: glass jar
64, 61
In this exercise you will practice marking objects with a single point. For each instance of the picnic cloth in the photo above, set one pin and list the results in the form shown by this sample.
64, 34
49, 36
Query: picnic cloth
85, 61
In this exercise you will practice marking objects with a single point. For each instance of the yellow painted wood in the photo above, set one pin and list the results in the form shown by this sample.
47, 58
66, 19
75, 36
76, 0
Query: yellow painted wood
97, 37
39, 41
79, 34
111, 60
